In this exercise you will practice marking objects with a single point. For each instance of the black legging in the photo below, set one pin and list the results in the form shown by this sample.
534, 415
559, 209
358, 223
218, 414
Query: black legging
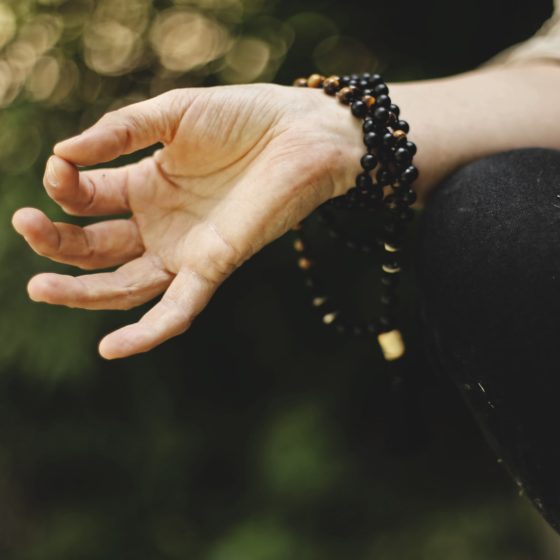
487, 262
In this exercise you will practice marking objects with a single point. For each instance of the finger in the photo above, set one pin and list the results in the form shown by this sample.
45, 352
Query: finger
99, 245
187, 295
128, 129
130, 285
88, 193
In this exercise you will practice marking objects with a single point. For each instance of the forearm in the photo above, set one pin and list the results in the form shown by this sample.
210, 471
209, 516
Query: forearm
459, 119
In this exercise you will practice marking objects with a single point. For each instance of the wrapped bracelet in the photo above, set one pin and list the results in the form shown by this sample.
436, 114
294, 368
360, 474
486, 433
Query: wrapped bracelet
384, 186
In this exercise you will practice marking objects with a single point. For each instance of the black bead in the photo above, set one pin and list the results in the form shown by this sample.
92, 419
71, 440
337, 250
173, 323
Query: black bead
370, 125
388, 140
375, 79
354, 76
383, 101
409, 197
384, 154
364, 181
363, 84
352, 195
372, 327
376, 195
384, 177
392, 119
381, 89
389, 299
409, 174
381, 115
390, 280
368, 91
353, 83
386, 322
402, 155
345, 81
368, 161
372, 139
402, 125
395, 109
411, 147
365, 75
405, 214
359, 109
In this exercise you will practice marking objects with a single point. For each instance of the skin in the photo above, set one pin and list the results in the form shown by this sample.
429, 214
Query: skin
240, 166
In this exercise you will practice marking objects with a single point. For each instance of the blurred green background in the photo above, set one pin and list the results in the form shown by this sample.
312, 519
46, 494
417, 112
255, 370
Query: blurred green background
258, 435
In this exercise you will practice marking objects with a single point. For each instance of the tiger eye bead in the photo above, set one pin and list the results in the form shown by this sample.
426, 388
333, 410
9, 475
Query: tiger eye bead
331, 85
346, 94
300, 82
369, 100
315, 80
304, 264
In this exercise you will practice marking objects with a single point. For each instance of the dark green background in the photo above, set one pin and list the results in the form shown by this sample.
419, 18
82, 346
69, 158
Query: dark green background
259, 434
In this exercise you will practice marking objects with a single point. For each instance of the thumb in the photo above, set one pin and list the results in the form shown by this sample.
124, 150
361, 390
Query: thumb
128, 129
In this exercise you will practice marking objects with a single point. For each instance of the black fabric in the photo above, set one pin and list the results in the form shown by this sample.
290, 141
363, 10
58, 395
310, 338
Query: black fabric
487, 263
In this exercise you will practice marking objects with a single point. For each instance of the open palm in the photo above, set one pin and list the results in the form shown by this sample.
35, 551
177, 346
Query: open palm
240, 166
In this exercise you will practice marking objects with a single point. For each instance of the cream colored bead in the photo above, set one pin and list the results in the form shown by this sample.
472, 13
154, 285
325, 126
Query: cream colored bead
392, 344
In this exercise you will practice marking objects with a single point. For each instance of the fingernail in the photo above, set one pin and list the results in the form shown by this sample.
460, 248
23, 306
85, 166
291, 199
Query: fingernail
51, 173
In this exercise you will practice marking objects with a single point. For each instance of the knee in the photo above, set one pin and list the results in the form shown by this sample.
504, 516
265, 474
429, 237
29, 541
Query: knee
491, 233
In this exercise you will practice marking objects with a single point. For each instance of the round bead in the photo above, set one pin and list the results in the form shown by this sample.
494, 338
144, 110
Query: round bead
363, 84
392, 119
389, 299
355, 76
402, 155
345, 81
384, 177
402, 125
315, 80
370, 125
300, 82
368, 161
388, 140
409, 174
359, 109
375, 79
364, 181
389, 280
330, 88
369, 100
372, 139
411, 147
395, 109
380, 115
346, 94
409, 197
381, 89
376, 195
383, 101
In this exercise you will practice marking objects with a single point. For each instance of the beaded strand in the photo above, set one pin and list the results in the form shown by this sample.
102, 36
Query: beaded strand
383, 186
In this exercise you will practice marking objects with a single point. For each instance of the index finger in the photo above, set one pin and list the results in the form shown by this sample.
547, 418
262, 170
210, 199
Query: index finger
127, 130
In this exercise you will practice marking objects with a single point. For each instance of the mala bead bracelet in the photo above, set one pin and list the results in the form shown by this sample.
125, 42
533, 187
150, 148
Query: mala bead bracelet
383, 186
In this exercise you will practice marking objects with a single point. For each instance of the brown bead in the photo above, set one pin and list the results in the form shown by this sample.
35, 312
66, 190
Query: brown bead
304, 264
398, 134
318, 301
346, 94
369, 100
332, 81
315, 80
298, 245
300, 82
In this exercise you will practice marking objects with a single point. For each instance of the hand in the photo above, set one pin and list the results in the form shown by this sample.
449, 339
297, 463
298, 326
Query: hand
240, 166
